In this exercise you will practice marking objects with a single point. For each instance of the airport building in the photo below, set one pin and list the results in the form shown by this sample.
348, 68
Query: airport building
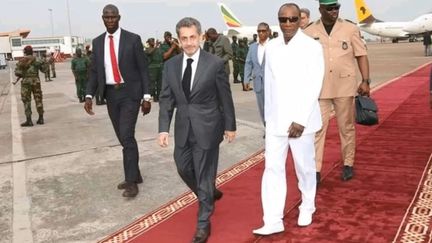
13, 43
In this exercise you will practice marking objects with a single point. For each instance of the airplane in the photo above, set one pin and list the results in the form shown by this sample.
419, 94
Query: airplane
395, 30
235, 27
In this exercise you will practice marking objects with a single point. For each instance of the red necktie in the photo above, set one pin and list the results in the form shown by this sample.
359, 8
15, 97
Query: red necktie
114, 65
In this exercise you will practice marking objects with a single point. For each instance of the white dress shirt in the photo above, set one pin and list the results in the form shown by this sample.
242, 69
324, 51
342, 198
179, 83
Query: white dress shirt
261, 51
194, 64
109, 75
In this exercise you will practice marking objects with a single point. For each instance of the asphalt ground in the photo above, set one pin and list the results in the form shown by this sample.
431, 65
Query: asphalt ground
58, 180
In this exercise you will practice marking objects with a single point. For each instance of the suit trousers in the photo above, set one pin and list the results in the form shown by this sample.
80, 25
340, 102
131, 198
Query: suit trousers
123, 112
198, 167
344, 109
260, 102
274, 184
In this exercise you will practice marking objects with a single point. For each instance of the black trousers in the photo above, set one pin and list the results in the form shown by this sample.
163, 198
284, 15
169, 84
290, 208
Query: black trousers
198, 168
123, 112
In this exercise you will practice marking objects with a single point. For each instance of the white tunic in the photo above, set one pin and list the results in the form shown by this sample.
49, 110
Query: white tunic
294, 75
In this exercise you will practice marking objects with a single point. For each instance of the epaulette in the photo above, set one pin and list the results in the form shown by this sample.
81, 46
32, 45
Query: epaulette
349, 21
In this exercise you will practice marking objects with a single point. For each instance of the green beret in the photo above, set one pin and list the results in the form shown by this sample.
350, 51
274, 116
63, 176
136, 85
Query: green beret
328, 2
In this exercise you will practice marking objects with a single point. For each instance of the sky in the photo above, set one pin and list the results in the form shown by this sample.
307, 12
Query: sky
151, 18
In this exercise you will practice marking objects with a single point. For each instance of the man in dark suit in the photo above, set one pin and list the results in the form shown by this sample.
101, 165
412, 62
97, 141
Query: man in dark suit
196, 83
119, 72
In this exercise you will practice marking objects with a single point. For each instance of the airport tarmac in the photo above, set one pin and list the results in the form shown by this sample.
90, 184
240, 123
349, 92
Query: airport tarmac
58, 180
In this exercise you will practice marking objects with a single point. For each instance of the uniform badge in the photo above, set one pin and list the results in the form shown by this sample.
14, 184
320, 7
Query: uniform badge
344, 45
316, 38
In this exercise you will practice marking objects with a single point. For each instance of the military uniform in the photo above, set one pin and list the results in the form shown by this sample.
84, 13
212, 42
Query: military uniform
46, 64
52, 65
222, 49
341, 47
241, 53
235, 46
28, 69
80, 69
155, 58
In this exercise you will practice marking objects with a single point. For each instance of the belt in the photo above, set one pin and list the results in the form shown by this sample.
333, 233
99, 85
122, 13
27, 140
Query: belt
115, 86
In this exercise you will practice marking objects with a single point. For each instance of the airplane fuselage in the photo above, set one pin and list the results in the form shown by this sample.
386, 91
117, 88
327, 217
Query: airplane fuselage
386, 29
247, 31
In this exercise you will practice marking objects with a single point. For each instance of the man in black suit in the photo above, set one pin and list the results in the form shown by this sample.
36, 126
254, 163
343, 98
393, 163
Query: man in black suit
196, 83
119, 72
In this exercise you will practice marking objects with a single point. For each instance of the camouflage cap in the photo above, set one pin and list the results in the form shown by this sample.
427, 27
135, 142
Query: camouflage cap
328, 2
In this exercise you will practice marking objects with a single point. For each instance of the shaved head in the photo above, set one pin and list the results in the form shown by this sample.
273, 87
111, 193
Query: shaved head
110, 8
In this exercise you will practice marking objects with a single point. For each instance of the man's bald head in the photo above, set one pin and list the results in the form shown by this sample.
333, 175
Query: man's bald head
110, 8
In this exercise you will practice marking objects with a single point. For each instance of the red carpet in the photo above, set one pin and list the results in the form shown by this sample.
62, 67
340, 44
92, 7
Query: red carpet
389, 199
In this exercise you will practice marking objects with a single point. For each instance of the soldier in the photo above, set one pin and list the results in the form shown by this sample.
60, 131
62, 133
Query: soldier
207, 46
80, 69
234, 46
52, 65
170, 47
221, 47
241, 54
342, 46
99, 98
155, 59
254, 39
28, 70
45, 60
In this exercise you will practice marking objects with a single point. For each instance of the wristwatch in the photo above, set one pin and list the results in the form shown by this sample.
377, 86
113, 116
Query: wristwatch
368, 81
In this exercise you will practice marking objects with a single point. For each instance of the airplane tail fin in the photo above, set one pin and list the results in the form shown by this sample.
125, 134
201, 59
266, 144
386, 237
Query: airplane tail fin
229, 18
364, 14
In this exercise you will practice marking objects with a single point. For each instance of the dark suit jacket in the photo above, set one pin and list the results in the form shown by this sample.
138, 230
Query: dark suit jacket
132, 64
210, 110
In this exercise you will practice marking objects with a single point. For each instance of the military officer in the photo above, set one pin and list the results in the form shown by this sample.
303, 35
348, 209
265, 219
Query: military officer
80, 69
234, 46
28, 70
155, 58
45, 60
241, 53
342, 47
52, 65
170, 47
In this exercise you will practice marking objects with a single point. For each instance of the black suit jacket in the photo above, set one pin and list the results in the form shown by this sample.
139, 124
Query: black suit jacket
132, 64
210, 110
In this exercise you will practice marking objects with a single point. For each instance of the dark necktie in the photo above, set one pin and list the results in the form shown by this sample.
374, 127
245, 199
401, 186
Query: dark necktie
187, 76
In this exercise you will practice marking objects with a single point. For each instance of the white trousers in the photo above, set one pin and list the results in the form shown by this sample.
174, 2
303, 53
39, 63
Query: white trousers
274, 184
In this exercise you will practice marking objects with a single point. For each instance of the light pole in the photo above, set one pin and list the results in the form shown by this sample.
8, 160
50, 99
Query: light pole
52, 21
69, 21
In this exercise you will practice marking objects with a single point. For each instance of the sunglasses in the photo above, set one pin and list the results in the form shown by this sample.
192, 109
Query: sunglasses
293, 19
331, 8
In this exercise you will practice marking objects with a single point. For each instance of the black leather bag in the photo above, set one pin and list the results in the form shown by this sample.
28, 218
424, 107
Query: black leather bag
366, 111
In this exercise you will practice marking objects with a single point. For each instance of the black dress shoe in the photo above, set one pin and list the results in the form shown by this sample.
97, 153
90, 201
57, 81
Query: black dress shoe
131, 190
347, 173
318, 178
217, 194
201, 235
123, 184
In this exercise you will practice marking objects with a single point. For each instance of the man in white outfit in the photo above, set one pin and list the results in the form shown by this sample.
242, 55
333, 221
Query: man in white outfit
294, 73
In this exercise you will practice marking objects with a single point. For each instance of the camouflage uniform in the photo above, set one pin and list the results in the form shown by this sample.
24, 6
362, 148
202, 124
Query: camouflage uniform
45, 61
52, 65
80, 68
28, 69
155, 58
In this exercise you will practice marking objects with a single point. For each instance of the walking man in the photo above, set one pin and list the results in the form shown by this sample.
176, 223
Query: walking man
196, 85
119, 70
292, 114
342, 46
